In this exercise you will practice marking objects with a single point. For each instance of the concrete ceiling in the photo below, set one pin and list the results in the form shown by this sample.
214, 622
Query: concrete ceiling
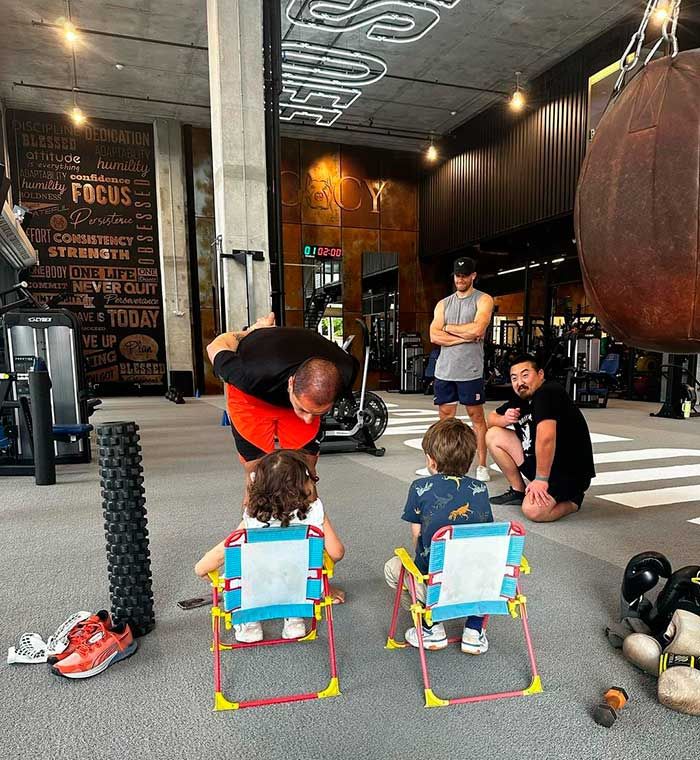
480, 43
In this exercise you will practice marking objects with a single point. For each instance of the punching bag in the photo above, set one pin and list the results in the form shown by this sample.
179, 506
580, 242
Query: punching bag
636, 214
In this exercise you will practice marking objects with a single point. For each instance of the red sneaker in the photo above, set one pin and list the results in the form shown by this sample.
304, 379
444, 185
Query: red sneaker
82, 631
97, 652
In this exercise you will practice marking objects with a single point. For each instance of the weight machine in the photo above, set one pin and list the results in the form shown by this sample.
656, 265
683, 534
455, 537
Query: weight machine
31, 331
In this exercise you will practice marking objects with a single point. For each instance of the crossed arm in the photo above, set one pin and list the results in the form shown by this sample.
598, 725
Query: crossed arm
477, 329
442, 334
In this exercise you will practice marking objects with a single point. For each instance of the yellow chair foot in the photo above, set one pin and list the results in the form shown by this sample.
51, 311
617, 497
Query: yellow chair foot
432, 701
332, 690
534, 688
221, 703
393, 644
310, 636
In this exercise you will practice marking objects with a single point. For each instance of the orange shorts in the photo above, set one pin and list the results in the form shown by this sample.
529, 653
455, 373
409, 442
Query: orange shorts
256, 425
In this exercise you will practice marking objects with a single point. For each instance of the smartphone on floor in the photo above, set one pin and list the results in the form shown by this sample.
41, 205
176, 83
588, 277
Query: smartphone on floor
197, 601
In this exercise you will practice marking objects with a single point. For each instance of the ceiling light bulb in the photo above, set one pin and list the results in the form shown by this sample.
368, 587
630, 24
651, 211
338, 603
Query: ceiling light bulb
431, 153
661, 14
70, 33
517, 101
77, 116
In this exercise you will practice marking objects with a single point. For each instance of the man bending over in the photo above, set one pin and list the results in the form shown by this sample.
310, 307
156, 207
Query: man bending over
279, 383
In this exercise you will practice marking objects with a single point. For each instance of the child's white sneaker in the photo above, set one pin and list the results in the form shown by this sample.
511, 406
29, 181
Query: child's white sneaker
483, 474
474, 642
248, 633
294, 628
433, 638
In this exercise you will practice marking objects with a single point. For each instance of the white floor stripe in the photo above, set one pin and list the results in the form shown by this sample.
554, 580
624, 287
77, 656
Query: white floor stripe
602, 438
643, 455
695, 520
654, 497
413, 413
646, 474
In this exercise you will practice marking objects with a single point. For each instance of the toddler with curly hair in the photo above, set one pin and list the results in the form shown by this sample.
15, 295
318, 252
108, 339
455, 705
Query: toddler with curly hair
280, 494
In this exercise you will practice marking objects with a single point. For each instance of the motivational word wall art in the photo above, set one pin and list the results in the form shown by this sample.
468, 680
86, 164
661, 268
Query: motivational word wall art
95, 228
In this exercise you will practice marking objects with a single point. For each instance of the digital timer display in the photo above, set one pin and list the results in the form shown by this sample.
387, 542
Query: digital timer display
322, 252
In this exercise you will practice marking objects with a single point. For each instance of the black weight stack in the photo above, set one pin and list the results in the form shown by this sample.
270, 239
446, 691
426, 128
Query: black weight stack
126, 525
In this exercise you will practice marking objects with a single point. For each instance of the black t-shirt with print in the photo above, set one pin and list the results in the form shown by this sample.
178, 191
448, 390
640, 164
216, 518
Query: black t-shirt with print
266, 358
573, 455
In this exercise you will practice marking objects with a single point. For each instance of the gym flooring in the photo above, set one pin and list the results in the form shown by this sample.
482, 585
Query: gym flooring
158, 703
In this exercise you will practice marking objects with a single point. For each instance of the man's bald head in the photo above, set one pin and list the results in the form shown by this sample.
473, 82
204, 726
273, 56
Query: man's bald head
317, 380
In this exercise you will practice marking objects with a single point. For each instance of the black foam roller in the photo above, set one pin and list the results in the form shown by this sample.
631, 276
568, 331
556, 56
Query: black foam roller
125, 523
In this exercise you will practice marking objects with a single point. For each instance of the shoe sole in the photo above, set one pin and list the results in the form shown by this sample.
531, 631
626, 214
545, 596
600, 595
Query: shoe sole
431, 647
469, 650
123, 655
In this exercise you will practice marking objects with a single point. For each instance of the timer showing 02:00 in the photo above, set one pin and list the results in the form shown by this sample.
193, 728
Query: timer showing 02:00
322, 252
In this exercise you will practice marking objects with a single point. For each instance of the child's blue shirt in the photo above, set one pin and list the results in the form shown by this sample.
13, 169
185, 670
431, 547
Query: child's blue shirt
441, 500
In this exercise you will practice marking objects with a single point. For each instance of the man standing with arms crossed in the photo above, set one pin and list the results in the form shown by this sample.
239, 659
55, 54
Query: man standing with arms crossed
459, 324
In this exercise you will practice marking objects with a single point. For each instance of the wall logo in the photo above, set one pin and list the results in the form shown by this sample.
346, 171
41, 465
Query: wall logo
320, 82
138, 348
58, 223
322, 193
318, 193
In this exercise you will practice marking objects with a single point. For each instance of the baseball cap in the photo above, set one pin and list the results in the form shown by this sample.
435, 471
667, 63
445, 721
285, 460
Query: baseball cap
464, 265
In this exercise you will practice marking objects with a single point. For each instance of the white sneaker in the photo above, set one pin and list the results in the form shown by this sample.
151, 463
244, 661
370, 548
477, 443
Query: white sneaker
424, 472
482, 473
294, 628
248, 633
474, 642
433, 638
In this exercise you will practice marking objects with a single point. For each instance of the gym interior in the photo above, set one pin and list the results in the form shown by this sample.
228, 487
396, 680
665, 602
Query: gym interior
172, 171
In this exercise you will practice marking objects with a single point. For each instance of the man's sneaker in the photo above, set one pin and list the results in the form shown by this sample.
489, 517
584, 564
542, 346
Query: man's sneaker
424, 472
474, 642
81, 632
294, 628
482, 473
248, 633
433, 638
511, 496
97, 653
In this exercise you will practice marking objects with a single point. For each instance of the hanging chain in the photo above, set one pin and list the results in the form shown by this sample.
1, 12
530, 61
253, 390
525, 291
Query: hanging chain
630, 58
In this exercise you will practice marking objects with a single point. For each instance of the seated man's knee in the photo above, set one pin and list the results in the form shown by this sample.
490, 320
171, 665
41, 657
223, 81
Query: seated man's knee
493, 435
533, 511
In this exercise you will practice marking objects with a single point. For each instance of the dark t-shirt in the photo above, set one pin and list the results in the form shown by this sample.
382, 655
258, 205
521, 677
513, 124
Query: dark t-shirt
441, 500
573, 455
268, 357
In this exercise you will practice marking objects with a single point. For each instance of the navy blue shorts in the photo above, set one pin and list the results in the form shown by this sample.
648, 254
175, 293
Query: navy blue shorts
467, 392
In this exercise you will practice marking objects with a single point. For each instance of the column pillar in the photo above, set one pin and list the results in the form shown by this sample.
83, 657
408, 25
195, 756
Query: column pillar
235, 34
174, 260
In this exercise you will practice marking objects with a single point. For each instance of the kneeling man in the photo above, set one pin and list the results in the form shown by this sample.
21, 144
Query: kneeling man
550, 446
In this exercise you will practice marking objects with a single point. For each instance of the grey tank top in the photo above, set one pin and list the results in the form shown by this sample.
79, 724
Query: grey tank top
465, 361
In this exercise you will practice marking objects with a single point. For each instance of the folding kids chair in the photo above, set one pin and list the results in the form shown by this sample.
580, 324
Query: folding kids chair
474, 570
272, 573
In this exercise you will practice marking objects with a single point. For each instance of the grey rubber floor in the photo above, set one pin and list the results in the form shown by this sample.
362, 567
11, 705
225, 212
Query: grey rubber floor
158, 703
